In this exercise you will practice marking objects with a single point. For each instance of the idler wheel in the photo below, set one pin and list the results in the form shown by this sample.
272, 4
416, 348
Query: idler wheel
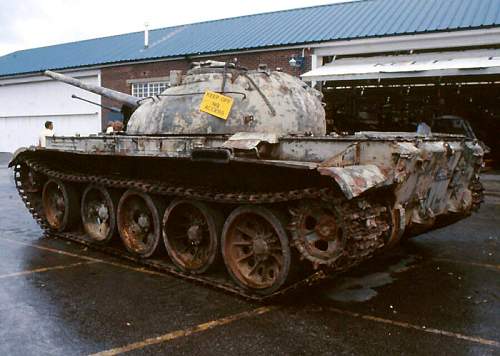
255, 249
60, 203
98, 213
191, 232
139, 223
30, 179
317, 233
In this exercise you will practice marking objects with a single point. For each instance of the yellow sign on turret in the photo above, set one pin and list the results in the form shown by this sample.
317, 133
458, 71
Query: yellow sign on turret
216, 104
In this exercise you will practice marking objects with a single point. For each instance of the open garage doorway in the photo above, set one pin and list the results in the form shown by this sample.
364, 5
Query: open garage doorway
399, 105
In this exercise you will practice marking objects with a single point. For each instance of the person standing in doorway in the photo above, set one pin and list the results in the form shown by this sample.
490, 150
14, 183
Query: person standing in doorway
47, 131
423, 127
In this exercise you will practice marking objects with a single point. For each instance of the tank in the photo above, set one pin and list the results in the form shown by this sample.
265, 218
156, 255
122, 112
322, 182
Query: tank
229, 178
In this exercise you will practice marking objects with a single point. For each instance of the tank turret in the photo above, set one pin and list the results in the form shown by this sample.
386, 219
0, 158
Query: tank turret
261, 101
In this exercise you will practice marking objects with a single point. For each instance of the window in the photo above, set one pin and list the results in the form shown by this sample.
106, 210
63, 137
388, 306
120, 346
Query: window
143, 90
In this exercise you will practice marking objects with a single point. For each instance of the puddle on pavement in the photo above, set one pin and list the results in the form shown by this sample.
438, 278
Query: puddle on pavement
361, 289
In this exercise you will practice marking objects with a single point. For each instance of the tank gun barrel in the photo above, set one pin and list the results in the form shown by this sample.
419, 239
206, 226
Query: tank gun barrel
127, 99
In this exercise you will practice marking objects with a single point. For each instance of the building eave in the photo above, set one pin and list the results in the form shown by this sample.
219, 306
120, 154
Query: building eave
366, 45
421, 41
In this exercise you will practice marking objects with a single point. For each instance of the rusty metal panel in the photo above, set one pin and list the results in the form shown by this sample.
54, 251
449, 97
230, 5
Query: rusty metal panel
355, 180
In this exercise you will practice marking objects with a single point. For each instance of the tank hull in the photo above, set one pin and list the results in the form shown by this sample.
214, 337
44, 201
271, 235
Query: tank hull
334, 202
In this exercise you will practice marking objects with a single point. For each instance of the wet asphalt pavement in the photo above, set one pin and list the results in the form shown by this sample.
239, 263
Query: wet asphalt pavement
437, 294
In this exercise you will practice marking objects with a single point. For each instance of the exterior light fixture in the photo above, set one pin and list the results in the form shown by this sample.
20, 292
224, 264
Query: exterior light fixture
297, 62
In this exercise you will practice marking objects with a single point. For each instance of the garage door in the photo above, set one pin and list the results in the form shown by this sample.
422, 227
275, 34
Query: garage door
26, 103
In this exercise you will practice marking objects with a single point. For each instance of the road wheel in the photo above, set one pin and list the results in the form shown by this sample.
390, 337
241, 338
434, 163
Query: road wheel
60, 203
98, 213
191, 233
139, 224
256, 250
318, 233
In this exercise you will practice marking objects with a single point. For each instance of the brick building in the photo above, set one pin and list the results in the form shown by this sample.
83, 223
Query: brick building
126, 78
365, 55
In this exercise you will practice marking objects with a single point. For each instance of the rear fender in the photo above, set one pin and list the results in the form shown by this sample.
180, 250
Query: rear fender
357, 179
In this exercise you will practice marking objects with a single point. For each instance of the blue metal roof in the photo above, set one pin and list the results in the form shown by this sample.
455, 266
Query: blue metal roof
340, 21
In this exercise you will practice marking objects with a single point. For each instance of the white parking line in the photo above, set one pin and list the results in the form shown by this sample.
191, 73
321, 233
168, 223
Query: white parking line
45, 269
402, 324
87, 258
59, 252
186, 332
470, 263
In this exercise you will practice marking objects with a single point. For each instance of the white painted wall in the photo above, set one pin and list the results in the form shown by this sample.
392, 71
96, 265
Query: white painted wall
26, 103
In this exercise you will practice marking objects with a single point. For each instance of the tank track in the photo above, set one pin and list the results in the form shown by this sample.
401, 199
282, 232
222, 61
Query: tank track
367, 224
365, 241
477, 190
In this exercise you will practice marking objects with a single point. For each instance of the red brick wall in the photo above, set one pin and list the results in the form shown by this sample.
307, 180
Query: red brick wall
116, 77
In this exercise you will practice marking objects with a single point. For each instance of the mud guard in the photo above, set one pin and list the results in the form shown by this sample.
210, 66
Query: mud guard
355, 180
16, 155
